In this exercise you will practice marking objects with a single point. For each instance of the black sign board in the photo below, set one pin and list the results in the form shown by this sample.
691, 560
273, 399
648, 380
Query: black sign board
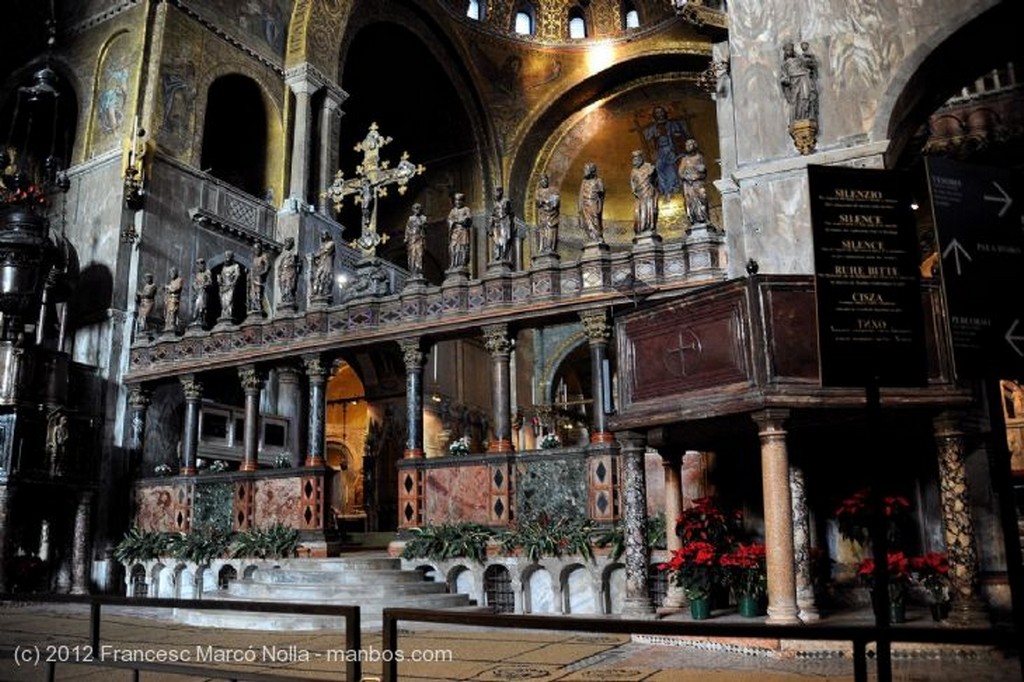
867, 278
978, 223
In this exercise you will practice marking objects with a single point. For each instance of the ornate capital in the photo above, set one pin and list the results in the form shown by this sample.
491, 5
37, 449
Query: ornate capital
496, 339
709, 78
139, 398
412, 354
287, 374
252, 380
595, 323
192, 387
771, 422
315, 368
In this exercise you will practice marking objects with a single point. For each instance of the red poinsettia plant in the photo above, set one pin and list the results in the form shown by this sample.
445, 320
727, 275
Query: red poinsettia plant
696, 567
705, 521
745, 570
931, 571
898, 566
855, 516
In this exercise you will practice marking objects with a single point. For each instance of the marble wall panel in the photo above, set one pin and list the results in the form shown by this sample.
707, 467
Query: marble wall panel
211, 506
457, 494
556, 488
277, 499
155, 508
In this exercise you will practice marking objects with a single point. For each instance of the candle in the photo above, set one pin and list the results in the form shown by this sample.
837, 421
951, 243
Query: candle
131, 151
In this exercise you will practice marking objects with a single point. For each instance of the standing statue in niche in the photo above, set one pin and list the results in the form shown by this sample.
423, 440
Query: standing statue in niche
256, 305
799, 86
460, 222
322, 273
549, 205
643, 182
172, 300
202, 280
227, 280
288, 268
56, 442
414, 237
501, 227
591, 204
694, 173
145, 298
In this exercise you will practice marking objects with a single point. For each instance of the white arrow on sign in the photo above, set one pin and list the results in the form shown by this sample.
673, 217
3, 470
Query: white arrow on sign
1006, 199
957, 250
1011, 339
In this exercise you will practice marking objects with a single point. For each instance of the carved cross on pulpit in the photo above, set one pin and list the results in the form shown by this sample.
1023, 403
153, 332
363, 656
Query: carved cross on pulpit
369, 184
675, 358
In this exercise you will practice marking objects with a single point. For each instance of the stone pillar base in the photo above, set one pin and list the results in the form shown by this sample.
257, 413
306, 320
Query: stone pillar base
187, 471
314, 461
782, 616
501, 445
248, 466
412, 453
602, 437
638, 607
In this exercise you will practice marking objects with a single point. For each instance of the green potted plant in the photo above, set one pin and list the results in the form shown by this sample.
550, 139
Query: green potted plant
697, 568
140, 545
448, 541
899, 581
746, 573
931, 572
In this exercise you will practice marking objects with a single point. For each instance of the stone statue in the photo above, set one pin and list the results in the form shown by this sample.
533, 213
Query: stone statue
172, 300
460, 222
500, 228
56, 441
145, 298
591, 204
414, 237
799, 73
548, 215
288, 268
322, 274
694, 173
643, 181
227, 280
257, 283
202, 280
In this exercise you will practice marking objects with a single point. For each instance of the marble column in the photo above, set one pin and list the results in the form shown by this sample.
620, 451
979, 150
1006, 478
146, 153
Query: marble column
595, 323
637, 556
413, 357
316, 372
193, 390
252, 384
500, 347
6, 520
328, 157
289, 404
802, 548
303, 82
138, 405
778, 517
674, 597
80, 563
966, 606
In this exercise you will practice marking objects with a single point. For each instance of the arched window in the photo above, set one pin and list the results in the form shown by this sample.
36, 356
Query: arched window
235, 147
577, 24
631, 18
524, 21
474, 10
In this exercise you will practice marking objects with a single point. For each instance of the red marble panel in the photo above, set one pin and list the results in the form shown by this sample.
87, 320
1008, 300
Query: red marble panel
277, 500
155, 508
456, 494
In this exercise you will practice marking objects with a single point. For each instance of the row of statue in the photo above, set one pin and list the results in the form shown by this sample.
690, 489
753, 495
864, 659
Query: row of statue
693, 173
500, 231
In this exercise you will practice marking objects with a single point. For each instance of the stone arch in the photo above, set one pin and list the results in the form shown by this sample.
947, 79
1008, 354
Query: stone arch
538, 590
613, 588
137, 584
578, 593
225, 576
461, 579
498, 592
941, 62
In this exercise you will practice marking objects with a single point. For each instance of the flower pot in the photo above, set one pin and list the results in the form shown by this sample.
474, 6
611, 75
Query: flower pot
940, 611
750, 606
897, 613
700, 609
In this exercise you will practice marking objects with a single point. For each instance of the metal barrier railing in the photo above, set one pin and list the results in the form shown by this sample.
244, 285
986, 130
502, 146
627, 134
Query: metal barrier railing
353, 641
858, 636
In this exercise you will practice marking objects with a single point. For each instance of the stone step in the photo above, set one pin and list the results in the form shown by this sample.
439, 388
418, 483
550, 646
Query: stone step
348, 576
339, 594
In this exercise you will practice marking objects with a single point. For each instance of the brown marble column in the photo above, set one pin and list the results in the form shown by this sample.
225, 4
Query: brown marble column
637, 556
80, 563
778, 517
413, 357
595, 323
252, 384
674, 597
966, 605
499, 345
193, 390
138, 405
316, 371
802, 548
